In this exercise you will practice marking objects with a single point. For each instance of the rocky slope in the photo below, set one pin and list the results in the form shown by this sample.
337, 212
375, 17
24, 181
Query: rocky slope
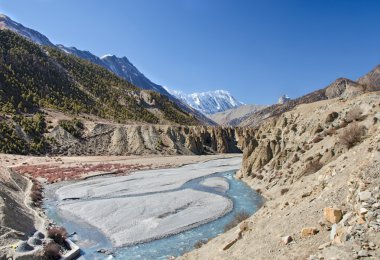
106, 139
17, 218
234, 116
318, 167
341, 87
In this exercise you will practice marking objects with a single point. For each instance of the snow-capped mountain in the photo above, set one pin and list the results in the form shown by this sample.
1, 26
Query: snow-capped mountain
208, 103
283, 99
120, 66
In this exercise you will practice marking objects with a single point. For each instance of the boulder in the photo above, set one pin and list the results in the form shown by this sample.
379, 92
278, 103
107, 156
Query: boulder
24, 247
332, 215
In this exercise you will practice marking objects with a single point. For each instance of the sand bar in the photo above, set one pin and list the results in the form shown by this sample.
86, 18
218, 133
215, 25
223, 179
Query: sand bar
147, 205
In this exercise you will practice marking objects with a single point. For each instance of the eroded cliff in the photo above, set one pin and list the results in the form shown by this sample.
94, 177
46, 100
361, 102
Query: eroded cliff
107, 139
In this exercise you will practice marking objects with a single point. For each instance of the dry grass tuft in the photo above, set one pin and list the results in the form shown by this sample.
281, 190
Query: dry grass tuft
354, 114
58, 234
351, 135
52, 251
239, 217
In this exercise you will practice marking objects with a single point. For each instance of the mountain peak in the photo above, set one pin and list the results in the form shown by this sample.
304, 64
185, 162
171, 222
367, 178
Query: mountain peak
209, 102
106, 56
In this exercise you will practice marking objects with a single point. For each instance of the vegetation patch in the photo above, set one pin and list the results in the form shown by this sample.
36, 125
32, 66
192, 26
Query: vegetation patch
239, 217
36, 193
24, 135
351, 135
58, 234
74, 127
52, 251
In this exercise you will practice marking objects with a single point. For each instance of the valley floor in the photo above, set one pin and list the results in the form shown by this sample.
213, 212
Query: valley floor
15, 205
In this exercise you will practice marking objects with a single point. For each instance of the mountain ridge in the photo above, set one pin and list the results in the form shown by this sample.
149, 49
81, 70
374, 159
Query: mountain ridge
115, 65
208, 102
340, 88
133, 76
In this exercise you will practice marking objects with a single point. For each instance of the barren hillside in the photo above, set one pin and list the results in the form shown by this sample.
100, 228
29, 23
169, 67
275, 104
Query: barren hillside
318, 167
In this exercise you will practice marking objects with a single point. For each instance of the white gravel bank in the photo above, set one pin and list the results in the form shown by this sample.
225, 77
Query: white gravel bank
148, 205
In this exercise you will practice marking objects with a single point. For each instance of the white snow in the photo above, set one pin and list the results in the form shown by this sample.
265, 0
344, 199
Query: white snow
209, 102
106, 55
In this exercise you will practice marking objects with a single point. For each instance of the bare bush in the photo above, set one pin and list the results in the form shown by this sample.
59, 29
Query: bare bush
331, 131
284, 190
199, 244
313, 167
58, 234
317, 139
239, 217
36, 192
354, 114
52, 251
352, 135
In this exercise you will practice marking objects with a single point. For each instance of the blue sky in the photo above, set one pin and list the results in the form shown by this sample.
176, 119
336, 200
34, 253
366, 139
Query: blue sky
258, 50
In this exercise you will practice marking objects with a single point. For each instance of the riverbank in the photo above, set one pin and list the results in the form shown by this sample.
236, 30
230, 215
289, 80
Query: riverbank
60, 168
12, 233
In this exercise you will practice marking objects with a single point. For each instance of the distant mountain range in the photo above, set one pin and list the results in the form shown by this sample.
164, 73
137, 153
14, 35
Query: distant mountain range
208, 103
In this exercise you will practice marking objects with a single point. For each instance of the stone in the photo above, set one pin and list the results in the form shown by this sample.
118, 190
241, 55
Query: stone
24, 247
363, 211
324, 245
361, 220
34, 241
346, 218
286, 239
309, 231
332, 215
364, 195
39, 235
363, 253
333, 231
376, 205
